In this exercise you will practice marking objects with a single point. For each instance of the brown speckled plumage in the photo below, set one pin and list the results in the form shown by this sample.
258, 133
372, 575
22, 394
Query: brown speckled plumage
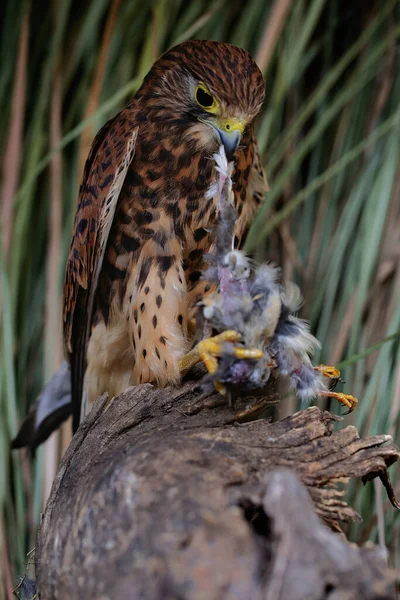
145, 217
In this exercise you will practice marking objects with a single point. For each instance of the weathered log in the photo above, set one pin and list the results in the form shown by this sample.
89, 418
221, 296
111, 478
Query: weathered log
160, 497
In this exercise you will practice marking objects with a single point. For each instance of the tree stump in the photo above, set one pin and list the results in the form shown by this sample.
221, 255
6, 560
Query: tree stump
165, 496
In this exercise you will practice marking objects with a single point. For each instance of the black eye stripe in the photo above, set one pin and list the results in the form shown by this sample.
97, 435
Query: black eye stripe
203, 98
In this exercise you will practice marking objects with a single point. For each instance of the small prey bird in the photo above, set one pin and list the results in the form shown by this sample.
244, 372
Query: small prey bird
249, 307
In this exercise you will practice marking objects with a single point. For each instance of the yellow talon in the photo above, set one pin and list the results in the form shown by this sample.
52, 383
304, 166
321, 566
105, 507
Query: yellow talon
244, 353
346, 399
230, 335
210, 349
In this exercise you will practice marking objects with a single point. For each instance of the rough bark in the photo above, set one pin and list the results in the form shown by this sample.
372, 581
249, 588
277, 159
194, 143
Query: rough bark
165, 496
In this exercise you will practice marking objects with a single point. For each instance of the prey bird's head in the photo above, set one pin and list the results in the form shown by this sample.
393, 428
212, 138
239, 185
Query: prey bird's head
211, 91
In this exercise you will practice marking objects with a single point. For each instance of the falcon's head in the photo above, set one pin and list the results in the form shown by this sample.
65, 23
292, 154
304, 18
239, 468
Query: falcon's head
210, 91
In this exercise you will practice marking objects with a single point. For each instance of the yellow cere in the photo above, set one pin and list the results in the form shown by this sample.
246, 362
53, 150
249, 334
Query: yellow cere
230, 125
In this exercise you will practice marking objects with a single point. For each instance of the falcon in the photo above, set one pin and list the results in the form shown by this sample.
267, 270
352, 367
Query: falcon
146, 215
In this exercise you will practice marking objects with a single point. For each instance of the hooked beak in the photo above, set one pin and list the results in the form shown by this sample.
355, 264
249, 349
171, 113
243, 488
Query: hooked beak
230, 140
229, 133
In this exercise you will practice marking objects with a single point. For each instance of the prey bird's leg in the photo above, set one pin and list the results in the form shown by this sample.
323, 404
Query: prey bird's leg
334, 374
328, 371
331, 372
346, 399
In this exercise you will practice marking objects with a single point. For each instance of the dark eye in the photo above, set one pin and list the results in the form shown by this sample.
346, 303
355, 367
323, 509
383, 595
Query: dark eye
204, 98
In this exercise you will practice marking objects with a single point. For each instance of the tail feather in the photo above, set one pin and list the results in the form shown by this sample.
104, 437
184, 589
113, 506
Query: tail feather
50, 409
